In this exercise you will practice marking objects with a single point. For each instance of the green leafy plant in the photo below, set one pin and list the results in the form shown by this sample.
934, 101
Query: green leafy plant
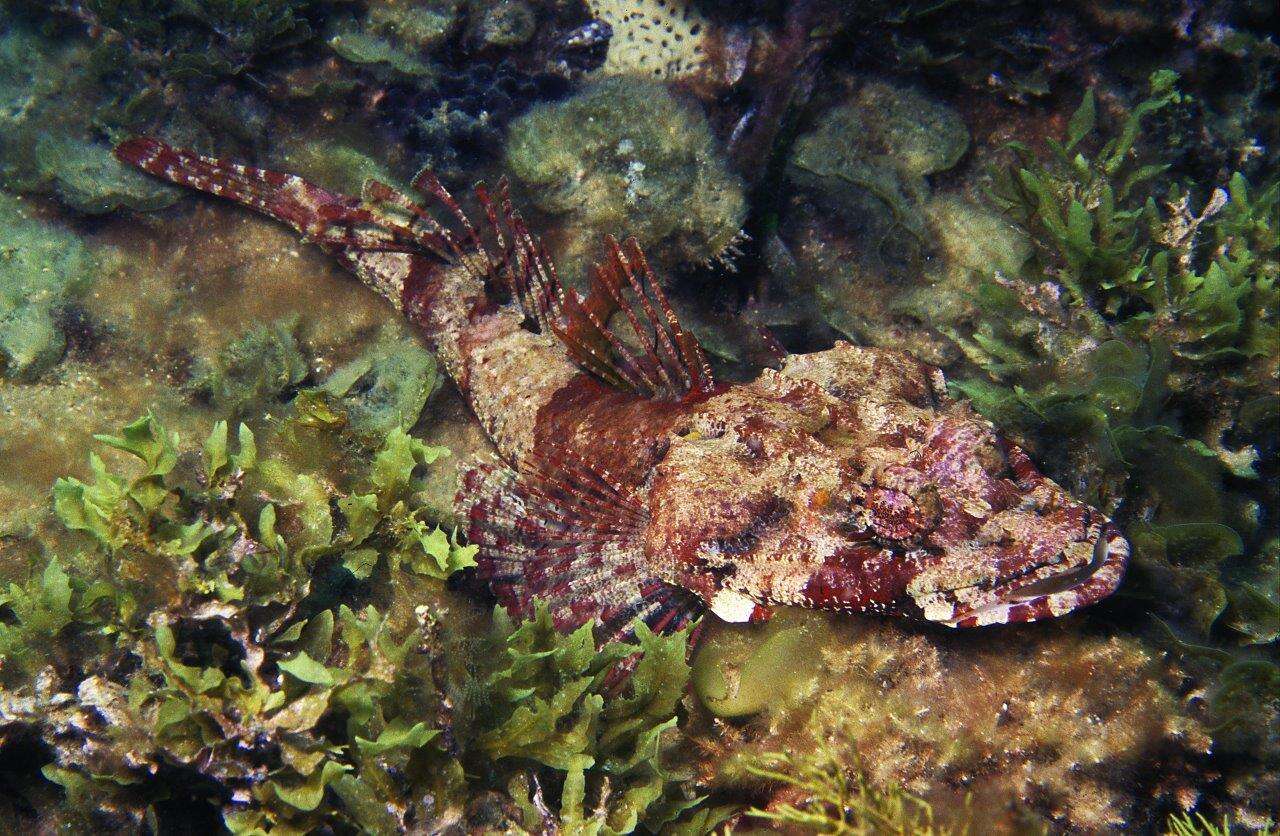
1185, 824
202, 621
237, 672
556, 700
1202, 280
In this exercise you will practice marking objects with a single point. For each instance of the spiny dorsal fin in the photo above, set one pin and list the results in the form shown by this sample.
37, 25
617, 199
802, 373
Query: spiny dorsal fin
562, 533
666, 361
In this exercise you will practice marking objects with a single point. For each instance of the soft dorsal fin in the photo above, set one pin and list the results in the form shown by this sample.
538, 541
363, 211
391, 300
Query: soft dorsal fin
563, 533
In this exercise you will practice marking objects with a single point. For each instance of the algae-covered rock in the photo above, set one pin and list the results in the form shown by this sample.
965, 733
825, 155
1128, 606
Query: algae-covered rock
367, 48
335, 166
889, 263
420, 23
923, 135
85, 176
387, 386
625, 156
973, 243
208, 37
1080, 731
397, 35
48, 144
507, 23
252, 371
42, 267
882, 142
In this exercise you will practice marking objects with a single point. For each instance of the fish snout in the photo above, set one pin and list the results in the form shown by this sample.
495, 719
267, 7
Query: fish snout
1083, 573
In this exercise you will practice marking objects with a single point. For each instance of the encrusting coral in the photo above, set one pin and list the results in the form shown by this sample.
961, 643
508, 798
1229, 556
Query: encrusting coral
660, 39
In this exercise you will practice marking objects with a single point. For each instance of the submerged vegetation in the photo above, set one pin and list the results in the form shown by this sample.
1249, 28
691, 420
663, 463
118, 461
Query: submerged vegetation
1144, 339
835, 802
214, 665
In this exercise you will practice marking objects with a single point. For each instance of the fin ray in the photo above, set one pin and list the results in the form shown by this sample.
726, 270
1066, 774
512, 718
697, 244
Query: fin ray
564, 534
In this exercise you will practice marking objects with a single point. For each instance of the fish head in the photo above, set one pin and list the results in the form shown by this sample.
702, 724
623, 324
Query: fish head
849, 481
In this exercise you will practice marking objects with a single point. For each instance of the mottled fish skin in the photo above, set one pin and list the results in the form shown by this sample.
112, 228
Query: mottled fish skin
847, 480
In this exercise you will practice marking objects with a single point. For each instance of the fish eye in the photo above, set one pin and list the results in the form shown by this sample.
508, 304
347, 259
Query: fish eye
991, 458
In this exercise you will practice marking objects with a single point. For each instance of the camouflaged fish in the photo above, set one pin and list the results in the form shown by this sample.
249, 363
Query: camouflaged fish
633, 485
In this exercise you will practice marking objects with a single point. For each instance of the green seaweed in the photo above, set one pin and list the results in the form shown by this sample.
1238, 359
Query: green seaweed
836, 800
1201, 279
199, 617
365, 48
554, 700
1185, 824
1158, 304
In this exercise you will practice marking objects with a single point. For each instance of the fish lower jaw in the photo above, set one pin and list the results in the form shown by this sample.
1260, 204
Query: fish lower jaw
1048, 596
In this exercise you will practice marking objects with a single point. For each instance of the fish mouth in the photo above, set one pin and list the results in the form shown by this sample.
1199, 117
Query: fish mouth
1044, 591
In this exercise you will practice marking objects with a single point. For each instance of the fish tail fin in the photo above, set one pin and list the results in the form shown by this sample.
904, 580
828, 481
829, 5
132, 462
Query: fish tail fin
284, 197
567, 536
359, 231
336, 221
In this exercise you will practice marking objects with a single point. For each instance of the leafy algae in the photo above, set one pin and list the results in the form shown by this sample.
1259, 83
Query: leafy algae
212, 664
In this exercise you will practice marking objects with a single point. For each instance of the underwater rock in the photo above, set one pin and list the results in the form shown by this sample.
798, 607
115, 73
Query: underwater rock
387, 386
41, 268
396, 37
338, 167
507, 23
364, 48
252, 371
86, 177
881, 142
44, 85
888, 263
972, 243
626, 157
416, 23
1085, 732
923, 135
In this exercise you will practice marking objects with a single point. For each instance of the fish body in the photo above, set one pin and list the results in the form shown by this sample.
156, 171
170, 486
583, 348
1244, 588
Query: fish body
632, 485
